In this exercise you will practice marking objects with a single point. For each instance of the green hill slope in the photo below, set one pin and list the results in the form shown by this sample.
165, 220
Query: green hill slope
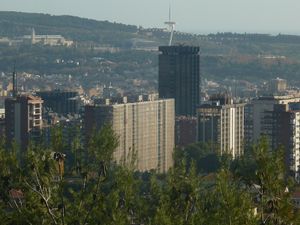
244, 56
14, 24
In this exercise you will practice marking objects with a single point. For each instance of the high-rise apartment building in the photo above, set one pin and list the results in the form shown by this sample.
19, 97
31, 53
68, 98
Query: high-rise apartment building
23, 119
248, 126
144, 126
282, 128
61, 102
261, 108
277, 118
221, 123
179, 77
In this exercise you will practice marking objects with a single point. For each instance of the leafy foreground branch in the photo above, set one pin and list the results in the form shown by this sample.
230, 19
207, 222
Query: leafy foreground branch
85, 186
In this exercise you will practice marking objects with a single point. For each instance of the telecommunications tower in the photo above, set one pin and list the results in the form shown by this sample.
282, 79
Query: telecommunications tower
171, 26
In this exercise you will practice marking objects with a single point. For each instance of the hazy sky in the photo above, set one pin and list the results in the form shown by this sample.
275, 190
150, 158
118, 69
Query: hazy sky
191, 15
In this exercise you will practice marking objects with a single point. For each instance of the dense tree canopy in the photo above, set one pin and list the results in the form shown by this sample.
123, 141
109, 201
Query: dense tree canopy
90, 188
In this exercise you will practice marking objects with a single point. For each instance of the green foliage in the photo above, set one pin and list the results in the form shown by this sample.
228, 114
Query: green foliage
273, 186
231, 203
102, 144
179, 199
49, 197
94, 190
17, 24
205, 158
224, 55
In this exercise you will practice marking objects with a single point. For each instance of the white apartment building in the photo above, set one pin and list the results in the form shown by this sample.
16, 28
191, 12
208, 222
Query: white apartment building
294, 153
221, 123
145, 127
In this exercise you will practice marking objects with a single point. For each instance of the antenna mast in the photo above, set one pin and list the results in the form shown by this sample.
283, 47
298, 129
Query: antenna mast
171, 26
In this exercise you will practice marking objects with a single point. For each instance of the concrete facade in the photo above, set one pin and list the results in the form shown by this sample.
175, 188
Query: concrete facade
145, 127
23, 119
186, 130
222, 125
179, 77
261, 108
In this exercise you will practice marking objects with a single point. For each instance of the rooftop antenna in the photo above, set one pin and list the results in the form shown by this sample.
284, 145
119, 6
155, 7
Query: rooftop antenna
15, 81
171, 26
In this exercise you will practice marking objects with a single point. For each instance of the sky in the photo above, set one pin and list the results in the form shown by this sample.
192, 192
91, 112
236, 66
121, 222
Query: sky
198, 16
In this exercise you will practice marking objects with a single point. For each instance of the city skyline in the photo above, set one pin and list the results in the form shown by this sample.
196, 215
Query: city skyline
104, 122
195, 16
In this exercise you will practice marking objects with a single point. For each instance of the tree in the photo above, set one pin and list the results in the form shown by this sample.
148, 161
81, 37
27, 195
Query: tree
273, 186
37, 190
179, 198
229, 203
206, 160
48, 197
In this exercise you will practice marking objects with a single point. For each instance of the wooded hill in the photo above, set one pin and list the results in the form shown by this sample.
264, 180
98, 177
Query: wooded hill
224, 55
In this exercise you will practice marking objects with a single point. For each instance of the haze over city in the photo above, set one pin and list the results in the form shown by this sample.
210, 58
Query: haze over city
157, 112
198, 16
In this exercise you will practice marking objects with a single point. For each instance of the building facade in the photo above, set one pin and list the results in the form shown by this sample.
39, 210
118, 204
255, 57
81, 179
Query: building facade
221, 123
52, 40
179, 77
61, 102
278, 86
145, 127
248, 126
282, 128
261, 108
23, 119
186, 130
2, 128
278, 119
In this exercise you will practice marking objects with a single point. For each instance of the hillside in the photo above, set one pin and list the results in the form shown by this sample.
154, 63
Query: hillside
255, 57
14, 24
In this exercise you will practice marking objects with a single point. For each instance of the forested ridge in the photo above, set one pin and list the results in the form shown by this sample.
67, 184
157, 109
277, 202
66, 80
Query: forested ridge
253, 57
